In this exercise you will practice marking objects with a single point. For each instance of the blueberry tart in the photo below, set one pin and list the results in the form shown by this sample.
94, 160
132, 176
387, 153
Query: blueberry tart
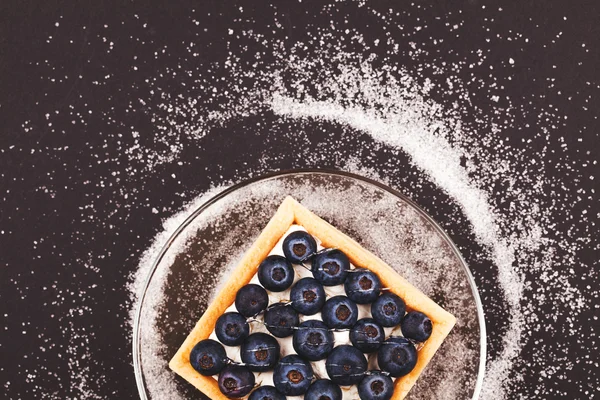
308, 312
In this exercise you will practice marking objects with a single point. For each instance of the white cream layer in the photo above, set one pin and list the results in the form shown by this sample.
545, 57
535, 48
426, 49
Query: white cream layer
364, 311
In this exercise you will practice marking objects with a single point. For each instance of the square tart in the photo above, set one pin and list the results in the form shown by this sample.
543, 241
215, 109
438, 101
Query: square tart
291, 212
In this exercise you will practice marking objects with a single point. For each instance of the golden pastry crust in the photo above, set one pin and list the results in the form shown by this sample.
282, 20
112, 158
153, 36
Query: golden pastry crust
290, 212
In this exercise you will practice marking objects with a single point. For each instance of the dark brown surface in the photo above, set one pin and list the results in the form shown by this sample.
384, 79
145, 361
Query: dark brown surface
69, 239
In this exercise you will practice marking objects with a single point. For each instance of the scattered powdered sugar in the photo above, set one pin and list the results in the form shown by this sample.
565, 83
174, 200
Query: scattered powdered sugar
395, 94
507, 206
150, 256
152, 291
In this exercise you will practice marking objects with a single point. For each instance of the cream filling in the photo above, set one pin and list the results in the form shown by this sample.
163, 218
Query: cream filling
364, 311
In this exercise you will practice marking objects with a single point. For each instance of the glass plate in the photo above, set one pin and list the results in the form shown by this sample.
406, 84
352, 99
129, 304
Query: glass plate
199, 255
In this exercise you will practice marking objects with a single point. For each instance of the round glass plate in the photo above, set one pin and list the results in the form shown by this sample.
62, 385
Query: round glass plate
200, 254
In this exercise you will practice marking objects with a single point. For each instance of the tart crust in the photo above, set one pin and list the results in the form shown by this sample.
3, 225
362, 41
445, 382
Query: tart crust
291, 212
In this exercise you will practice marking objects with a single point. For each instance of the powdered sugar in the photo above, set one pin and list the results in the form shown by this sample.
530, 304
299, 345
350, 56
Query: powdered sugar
361, 94
123, 120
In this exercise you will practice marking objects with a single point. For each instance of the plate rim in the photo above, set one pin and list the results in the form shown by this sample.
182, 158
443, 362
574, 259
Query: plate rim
135, 341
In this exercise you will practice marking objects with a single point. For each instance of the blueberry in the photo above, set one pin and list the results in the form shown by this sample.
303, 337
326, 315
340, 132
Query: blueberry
298, 246
281, 320
376, 386
276, 273
208, 357
388, 310
398, 356
313, 340
416, 326
346, 365
362, 286
266, 393
307, 296
367, 335
260, 352
236, 381
292, 375
251, 300
232, 328
339, 312
323, 389
330, 267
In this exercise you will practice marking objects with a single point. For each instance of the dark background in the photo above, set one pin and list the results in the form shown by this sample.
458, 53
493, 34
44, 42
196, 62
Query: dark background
77, 211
